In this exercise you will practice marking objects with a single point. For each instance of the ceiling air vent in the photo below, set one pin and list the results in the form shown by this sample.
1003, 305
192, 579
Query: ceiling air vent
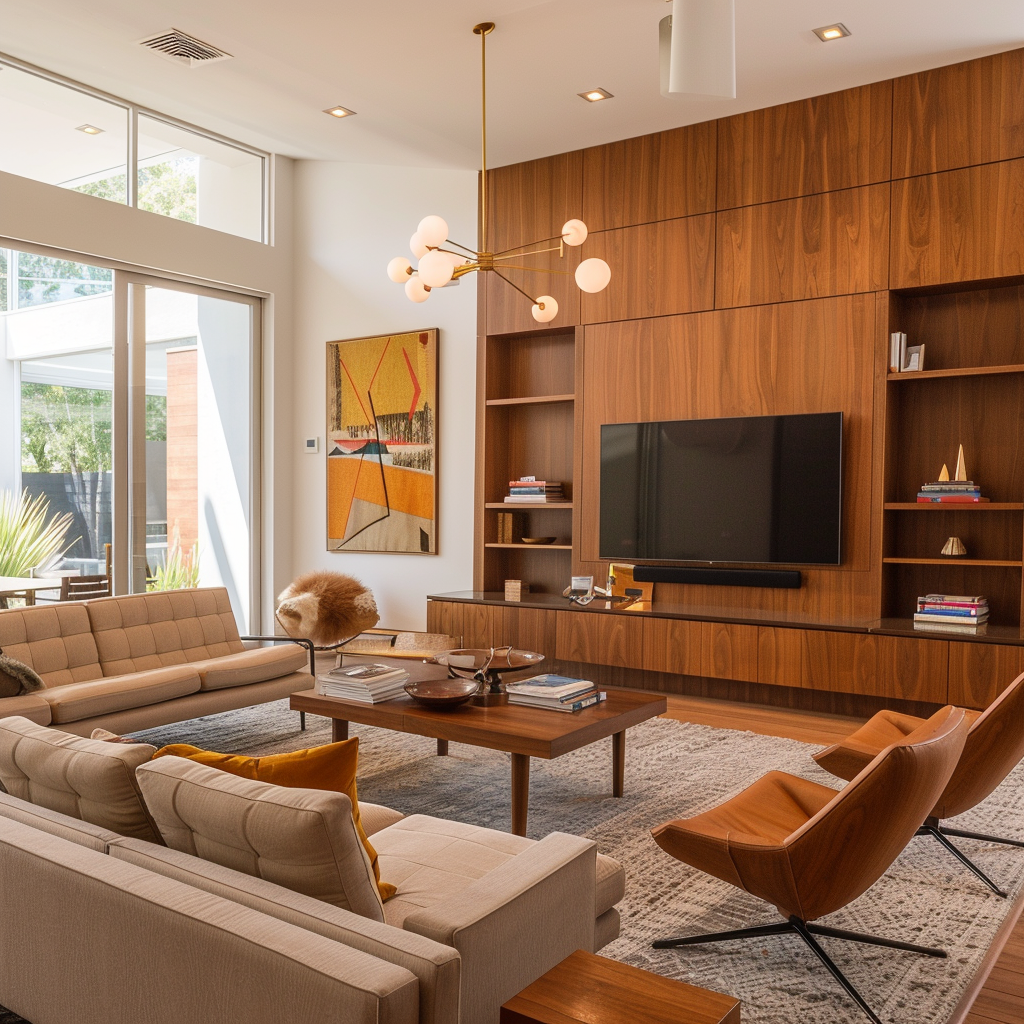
183, 49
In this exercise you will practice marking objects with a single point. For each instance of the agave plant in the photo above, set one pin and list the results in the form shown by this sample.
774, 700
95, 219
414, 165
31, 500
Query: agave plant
180, 569
28, 540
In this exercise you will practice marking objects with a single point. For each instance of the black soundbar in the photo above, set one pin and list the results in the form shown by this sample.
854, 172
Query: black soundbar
787, 578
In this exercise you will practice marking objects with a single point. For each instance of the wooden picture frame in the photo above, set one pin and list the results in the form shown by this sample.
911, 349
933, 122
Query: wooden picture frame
382, 443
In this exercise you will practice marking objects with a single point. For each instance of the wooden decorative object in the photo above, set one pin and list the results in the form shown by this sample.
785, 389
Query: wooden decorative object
944, 475
954, 547
514, 590
961, 469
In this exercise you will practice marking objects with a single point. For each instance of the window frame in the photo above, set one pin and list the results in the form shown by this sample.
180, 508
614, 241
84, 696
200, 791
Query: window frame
133, 111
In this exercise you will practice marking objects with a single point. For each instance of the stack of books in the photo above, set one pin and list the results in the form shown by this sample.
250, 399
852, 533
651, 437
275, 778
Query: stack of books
529, 491
951, 613
368, 684
952, 491
556, 693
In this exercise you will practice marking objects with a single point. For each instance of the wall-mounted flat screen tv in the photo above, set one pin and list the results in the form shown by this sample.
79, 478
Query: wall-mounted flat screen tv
765, 489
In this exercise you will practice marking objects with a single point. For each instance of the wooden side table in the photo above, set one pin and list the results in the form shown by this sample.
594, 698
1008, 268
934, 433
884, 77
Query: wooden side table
589, 989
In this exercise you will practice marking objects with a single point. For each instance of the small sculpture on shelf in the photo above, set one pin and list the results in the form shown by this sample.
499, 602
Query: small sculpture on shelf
954, 548
958, 490
961, 468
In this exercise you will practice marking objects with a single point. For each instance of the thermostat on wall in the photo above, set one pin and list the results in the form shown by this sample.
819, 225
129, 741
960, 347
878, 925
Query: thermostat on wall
312, 445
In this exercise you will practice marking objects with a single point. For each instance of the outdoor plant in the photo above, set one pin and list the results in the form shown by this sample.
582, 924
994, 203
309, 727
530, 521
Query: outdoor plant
28, 539
180, 569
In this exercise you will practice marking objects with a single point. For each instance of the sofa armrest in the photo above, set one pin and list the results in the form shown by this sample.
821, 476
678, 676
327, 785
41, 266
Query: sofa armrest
517, 921
28, 705
301, 641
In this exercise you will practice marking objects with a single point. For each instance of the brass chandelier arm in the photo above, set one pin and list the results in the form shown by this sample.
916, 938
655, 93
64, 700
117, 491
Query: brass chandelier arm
533, 301
540, 241
532, 270
459, 245
518, 255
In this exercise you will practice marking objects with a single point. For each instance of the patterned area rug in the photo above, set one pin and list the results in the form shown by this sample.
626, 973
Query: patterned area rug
676, 769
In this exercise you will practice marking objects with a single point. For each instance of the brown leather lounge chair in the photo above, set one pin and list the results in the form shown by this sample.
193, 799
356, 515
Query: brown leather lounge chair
809, 850
995, 745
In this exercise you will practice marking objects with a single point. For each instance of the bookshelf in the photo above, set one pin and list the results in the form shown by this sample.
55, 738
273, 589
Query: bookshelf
529, 428
970, 392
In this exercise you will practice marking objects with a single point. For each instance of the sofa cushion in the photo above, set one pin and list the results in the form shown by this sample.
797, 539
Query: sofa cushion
303, 839
55, 640
28, 705
331, 767
103, 696
86, 779
435, 965
144, 631
73, 829
255, 666
431, 859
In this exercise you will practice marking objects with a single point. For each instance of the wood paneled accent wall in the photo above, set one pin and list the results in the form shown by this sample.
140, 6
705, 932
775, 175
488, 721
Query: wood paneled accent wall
759, 263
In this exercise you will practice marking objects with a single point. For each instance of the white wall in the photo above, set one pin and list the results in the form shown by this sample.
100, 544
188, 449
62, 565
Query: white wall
350, 219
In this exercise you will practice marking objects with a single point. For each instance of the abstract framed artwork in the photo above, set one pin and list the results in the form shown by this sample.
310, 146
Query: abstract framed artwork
382, 444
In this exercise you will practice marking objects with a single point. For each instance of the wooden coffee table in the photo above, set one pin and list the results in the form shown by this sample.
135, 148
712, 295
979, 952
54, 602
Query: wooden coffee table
523, 732
591, 989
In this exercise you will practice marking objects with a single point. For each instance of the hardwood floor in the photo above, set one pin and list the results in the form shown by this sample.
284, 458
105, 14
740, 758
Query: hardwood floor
1001, 996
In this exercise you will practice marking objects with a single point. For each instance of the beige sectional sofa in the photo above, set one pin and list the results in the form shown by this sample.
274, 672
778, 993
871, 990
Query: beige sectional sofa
220, 924
129, 663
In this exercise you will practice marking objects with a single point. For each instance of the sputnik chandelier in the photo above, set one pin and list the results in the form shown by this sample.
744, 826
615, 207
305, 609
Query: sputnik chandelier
442, 261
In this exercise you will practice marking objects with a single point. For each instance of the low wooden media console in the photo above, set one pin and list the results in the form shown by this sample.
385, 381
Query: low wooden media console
760, 657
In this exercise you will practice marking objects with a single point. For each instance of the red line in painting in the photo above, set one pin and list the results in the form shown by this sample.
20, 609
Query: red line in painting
355, 390
379, 361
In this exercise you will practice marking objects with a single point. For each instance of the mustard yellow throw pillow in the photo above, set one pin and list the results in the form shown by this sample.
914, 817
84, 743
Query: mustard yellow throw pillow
330, 767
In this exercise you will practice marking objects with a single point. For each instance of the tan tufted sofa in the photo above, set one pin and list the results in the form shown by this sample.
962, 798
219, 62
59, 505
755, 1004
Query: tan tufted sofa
129, 663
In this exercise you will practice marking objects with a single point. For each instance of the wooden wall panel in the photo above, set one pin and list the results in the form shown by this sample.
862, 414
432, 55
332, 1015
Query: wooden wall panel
962, 225
654, 177
821, 144
795, 357
657, 269
672, 645
826, 244
527, 202
599, 639
729, 651
956, 116
978, 673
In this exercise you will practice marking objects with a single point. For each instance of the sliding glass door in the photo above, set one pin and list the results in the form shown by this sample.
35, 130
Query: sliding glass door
132, 403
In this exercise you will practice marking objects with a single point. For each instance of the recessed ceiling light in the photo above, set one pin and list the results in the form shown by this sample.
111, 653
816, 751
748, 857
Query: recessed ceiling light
339, 111
829, 32
595, 95
89, 129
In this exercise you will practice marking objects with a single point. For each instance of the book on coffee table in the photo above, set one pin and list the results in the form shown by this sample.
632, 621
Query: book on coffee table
368, 684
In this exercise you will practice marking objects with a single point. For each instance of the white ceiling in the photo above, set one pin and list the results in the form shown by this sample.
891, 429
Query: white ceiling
411, 70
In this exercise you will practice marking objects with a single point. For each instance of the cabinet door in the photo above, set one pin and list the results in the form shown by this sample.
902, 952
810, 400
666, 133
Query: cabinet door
672, 645
781, 654
599, 639
483, 625
531, 629
729, 651
445, 617
978, 673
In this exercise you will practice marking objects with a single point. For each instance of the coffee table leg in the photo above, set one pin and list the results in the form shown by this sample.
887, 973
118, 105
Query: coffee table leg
618, 763
520, 792
339, 729
442, 748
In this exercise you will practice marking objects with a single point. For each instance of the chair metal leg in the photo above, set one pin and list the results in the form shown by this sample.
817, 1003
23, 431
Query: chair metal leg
302, 721
961, 834
873, 940
801, 929
933, 830
742, 933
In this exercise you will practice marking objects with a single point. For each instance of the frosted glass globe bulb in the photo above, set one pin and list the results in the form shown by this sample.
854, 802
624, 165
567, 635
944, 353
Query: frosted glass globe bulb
416, 290
399, 270
574, 232
545, 309
433, 230
435, 269
593, 275
417, 245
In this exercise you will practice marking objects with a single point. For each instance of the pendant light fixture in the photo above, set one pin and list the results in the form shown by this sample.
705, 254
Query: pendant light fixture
441, 260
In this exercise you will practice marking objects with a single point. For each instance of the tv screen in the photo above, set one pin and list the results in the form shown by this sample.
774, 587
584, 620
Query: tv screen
743, 489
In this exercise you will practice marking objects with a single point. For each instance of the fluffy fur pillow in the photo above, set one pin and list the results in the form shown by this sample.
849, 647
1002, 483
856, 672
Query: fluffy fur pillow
17, 678
326, 607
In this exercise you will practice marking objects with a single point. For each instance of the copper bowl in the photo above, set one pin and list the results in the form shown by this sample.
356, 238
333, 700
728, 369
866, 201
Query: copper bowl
442, 693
